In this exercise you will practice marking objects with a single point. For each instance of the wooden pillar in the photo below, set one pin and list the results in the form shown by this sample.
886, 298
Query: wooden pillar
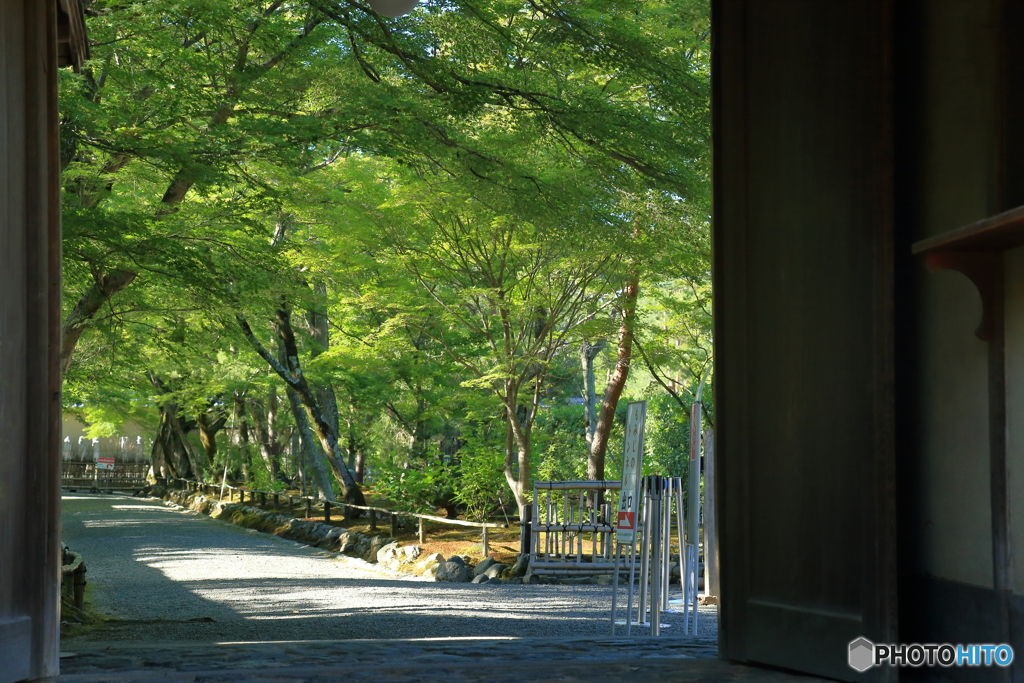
30, 316
710, 537
422, 530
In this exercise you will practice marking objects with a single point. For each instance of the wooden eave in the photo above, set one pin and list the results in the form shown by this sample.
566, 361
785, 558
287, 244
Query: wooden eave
72, 40
996, 233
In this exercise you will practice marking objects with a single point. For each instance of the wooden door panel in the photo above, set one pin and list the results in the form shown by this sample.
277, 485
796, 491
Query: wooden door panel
804, 330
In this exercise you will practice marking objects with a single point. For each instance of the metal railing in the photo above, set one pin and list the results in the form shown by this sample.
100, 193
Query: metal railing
565, 521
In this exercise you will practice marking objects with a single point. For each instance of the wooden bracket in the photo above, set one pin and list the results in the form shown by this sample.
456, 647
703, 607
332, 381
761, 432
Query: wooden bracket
984, 269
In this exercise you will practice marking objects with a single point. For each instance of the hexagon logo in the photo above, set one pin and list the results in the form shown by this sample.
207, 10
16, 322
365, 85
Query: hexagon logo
862, 655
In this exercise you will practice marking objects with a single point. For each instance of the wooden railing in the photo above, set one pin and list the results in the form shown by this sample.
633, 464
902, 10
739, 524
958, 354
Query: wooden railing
309, 503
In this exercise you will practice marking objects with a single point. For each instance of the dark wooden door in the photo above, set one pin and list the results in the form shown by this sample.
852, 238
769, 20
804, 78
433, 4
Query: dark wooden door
803, 305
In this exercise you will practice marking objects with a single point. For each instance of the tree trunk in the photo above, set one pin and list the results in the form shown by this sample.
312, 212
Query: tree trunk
264, 417
312, 455
240, 438
173, 454
588, 352
291, 373
360, 466
317, 325
104, 287
210, 422
517, 447
617, 382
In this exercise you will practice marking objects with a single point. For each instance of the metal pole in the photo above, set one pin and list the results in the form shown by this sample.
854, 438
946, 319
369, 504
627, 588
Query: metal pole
655, 574
645, 567
632, 576
615, 586
680, 533
693, 506
666, 538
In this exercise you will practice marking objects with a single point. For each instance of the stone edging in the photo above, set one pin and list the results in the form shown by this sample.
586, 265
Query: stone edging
380, 550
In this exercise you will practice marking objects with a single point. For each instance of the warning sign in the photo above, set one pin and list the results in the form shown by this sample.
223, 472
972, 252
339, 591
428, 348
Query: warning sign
104, 463
632, 464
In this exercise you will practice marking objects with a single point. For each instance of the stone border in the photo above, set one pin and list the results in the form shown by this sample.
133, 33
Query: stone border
380, 550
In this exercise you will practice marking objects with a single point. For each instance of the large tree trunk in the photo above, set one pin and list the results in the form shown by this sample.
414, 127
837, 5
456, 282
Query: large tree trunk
612, 393
291, 373
210, 422
317, 325
104, 286
312, 455
173, 454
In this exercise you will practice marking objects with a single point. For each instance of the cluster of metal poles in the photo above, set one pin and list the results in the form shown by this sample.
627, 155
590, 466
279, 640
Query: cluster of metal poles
650, 555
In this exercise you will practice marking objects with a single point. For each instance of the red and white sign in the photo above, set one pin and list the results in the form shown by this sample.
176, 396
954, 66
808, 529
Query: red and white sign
632, 467
104, 463
627, 521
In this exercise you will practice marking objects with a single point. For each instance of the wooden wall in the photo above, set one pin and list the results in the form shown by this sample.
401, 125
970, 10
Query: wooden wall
29, 341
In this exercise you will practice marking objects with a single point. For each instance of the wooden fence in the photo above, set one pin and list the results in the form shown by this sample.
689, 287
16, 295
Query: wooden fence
84, 475
307, 504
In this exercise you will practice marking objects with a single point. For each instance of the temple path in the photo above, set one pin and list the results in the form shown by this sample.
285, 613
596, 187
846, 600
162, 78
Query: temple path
194, 599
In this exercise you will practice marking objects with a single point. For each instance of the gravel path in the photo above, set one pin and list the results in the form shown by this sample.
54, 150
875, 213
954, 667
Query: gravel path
164, 575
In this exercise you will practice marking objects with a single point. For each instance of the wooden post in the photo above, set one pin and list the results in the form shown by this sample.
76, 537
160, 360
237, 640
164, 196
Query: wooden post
241, 495
263, 499
423, 530
327, 511
277, 501
483, 541
373, 520
309, 508
79, 586
711, 572
524, 530
391, 519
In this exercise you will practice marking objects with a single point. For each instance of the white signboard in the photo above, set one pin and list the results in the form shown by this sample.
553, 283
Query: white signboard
104, 463
632, 464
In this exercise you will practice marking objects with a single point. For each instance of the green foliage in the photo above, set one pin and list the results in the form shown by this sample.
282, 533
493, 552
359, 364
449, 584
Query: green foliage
559, 444
460, 192
421, 488
666, 438
481, 482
